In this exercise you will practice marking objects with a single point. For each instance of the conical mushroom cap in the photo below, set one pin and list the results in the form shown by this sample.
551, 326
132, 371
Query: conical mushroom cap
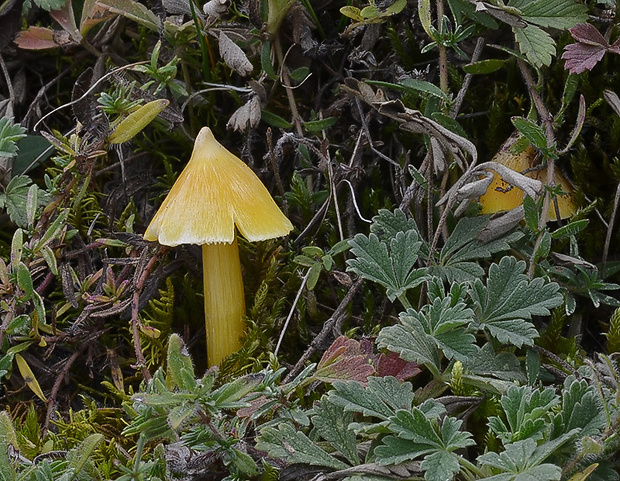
215, 192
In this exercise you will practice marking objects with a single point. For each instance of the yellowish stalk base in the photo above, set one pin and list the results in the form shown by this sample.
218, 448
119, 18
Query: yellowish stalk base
224, 301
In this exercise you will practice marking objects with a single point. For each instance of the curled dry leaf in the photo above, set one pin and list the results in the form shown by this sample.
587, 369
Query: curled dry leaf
214, 9
234, 57
501, 224
450, 144
613, 100
247, 116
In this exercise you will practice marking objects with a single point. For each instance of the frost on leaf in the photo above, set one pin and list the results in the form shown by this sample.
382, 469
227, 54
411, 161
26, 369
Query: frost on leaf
506, 304
589, 49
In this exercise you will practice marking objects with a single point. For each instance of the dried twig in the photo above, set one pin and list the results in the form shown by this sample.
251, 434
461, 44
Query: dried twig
332, 327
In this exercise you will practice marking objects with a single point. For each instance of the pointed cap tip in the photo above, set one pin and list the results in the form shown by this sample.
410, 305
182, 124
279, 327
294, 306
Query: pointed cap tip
216, 192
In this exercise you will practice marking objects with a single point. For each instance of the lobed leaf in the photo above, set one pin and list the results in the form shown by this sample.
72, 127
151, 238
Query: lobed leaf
331, 422
380, 398
393, 267
559, 14
536, 44
286, 442
507, 302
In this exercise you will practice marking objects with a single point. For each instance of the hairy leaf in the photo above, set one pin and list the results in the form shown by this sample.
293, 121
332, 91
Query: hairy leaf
331, 422
386, 224
536, 44
460, 256
581, 408
15, 198
381, 398
514, 462
10, 133
588, 50
286, 442
507, 302
344, 361
420, 434
527, 411
393, 267
438, 327
559, 14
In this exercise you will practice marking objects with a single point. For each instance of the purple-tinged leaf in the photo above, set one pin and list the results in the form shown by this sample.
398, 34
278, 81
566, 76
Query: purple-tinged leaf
581, 57
588, 34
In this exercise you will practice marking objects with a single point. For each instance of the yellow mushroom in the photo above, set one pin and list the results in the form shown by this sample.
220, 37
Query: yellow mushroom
216, 192
501, 196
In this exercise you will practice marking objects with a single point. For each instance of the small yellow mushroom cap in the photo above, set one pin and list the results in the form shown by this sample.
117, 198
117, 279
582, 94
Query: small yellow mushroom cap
216, 192
501, 196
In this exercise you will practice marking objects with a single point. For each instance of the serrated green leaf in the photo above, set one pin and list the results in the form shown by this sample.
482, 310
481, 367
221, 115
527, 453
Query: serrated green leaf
515, 460
386, 224
180, 370
570, 229
503, 365
15, 198
559, 14
581, 408
536, 44
380, 398
507, 302
419, 434
287, 442
412, 344
331, 422
440, 465
10, 133
395, 450
531, 131
527, 412
463, 247
393, 268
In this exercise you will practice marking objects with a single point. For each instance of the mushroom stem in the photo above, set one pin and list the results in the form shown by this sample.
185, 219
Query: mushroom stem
224, 300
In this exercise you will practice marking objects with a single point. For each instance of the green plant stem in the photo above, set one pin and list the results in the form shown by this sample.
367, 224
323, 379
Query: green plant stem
206, 67
472, 468
547, 120
443, 52
404, 301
